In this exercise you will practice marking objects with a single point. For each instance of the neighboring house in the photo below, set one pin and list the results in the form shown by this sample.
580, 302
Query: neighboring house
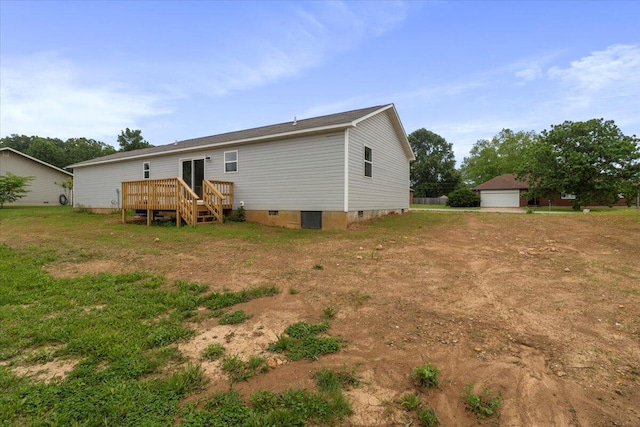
323, 172
45, 189
505, 191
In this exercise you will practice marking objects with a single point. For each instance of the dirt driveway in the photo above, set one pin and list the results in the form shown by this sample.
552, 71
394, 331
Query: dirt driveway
542, 308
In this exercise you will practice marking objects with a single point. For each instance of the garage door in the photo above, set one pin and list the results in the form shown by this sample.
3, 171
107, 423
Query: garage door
500, 198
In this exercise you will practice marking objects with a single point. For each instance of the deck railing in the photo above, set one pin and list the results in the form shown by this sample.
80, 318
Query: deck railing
226, 189
173, 194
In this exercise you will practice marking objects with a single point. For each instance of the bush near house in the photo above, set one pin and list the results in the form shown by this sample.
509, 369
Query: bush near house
463, 198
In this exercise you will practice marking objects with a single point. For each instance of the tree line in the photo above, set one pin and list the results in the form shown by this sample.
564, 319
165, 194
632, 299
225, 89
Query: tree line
61, 153
592, 160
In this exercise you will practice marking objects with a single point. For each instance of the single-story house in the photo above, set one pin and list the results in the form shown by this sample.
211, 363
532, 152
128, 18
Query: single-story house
323, 172
45, 189
505, 191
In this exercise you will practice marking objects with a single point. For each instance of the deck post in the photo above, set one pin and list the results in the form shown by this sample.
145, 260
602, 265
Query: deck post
149, 217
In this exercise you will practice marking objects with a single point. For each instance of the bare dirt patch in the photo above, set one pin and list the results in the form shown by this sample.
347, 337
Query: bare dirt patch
543, 308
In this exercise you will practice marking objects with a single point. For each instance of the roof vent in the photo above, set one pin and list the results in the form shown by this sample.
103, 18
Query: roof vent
295, 120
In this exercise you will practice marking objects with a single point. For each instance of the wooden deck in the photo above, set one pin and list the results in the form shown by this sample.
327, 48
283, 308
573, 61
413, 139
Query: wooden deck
174, 195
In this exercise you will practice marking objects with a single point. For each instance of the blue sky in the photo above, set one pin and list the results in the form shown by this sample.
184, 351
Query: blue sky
181, 69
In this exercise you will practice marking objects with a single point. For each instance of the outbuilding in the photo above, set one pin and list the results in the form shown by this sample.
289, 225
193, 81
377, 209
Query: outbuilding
46, 187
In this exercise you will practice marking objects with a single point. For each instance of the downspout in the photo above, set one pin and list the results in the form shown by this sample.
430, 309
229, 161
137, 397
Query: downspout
346, 170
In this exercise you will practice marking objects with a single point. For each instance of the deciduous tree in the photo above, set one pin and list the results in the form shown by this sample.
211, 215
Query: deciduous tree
592, 160
13, 187
504, 153
433, 173
131, 139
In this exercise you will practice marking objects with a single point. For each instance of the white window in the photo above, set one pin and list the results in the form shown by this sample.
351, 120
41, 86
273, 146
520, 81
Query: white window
146, 170
368, 162
565, 196
230, 161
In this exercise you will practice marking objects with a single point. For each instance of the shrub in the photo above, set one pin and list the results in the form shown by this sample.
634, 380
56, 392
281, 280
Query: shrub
463, 198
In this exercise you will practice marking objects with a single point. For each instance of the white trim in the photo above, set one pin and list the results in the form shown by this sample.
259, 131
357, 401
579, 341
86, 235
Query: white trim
9, 149
148, 169
363, 118
365, 161
236, 161
346, 170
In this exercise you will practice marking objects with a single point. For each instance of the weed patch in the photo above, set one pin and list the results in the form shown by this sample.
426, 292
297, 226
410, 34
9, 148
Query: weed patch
239, 370
234, 318
333, 380
329, 313
410, 401
302, 341
218, 300
428, 417
483, 405
212, 352
426, 376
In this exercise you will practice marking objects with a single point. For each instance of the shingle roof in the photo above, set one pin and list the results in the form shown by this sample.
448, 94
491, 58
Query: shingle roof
503, 182
305, 126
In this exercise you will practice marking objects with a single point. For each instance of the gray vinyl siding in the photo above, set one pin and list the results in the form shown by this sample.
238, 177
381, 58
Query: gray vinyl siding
44, 190
295, 174
95, 186
388, 188
305, 173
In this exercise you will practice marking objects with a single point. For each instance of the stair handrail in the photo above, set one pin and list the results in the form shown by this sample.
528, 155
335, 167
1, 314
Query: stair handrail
213, 199
187, 203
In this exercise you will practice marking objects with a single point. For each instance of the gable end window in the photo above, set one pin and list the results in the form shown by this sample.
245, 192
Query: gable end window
146, 170
368, 162
230, 161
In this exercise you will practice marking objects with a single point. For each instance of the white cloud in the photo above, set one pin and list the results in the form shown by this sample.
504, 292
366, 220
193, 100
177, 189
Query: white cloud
533, 72
47, 96
617, 67
603, 84
313, 34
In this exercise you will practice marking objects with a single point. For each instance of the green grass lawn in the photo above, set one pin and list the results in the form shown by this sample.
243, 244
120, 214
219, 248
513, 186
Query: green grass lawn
118, 332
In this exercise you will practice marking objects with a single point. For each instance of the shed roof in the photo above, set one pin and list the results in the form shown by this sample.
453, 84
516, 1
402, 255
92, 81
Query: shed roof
328, 123
8, 149
503, 182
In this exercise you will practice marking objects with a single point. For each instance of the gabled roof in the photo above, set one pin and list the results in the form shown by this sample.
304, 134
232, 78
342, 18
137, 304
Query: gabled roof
35, 160
503, 182
322, 124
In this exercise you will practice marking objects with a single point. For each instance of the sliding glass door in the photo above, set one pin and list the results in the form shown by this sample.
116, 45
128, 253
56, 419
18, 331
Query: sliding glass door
193, 174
